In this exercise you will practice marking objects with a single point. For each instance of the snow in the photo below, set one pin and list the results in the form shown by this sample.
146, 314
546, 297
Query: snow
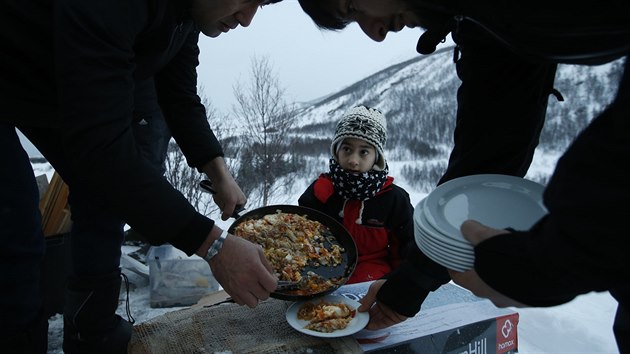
583, 325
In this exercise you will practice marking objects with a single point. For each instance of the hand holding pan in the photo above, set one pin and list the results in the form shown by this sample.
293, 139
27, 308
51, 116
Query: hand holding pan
335, 234
206, 185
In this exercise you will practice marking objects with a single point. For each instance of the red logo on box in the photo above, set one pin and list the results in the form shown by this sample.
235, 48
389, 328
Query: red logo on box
507, 338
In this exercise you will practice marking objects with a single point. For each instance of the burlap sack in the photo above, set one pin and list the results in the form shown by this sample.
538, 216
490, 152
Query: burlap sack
231, 328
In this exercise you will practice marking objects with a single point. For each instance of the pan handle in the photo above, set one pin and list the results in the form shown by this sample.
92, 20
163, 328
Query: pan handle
206, 185
287, 285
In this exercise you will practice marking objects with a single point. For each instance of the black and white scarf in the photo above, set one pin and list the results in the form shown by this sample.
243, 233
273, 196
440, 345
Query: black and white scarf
361, 186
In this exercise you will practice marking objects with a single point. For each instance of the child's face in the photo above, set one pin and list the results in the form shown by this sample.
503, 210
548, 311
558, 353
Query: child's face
356, 155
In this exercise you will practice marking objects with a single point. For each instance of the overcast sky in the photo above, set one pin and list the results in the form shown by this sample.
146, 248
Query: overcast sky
309, 63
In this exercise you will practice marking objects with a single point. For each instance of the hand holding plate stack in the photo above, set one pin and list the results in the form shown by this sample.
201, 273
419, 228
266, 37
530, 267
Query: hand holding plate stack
497, 201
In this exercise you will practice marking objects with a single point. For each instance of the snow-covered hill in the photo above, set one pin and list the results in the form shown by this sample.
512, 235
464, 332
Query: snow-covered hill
418, 97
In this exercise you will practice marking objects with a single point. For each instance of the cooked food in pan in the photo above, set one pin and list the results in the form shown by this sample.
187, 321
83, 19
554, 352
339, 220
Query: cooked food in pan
290, 243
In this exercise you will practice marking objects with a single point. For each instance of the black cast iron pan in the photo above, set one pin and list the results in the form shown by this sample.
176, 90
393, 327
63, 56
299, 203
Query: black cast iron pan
340, 235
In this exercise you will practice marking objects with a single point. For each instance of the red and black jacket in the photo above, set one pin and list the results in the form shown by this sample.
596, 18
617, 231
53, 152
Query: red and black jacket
382, 226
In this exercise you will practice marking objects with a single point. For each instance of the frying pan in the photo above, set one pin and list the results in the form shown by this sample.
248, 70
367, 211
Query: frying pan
341, 236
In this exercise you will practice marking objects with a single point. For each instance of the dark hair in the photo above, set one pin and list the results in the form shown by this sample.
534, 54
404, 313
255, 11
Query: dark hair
322, 16
269, 2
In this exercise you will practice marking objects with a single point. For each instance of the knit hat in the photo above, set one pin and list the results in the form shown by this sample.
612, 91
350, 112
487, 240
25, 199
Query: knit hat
363, 123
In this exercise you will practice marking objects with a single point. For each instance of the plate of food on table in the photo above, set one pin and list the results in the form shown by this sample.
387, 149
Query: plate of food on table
328, 316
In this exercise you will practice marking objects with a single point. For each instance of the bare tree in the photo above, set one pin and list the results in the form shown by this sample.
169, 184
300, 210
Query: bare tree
266, 162
185, 179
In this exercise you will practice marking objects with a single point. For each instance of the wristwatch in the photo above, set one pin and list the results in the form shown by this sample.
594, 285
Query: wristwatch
216, 246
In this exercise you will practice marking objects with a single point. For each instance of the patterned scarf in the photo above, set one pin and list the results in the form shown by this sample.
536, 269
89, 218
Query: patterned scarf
361, 186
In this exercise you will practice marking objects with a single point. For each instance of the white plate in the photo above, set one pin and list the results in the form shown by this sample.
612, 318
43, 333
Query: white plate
359, 321
497, 201
462, 254
422, 240
421, 223
448, 261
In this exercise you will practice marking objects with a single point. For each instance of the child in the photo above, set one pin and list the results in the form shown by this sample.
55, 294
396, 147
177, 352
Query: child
359, 194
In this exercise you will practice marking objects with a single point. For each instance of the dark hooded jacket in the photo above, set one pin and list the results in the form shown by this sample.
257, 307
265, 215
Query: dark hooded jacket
506, 57
70, 66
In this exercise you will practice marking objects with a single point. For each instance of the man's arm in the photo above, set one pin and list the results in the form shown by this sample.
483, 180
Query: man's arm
577, 247
176, 86
94, 66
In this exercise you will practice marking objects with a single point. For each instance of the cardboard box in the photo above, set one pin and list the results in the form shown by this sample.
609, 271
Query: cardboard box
452, 321
176, 279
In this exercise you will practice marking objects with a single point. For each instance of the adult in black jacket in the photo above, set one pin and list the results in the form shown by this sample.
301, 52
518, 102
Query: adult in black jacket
67, 78
506, 58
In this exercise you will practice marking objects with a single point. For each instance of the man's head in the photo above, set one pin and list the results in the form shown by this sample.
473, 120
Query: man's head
358, 126
375, 17
214, 17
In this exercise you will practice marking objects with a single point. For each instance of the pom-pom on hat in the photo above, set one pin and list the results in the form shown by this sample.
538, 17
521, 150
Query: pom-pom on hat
366, 124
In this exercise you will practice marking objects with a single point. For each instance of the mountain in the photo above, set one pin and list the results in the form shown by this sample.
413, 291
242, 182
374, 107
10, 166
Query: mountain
418, 97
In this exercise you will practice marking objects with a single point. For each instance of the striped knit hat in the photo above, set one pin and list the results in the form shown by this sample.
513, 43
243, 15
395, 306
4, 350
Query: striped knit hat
363, 123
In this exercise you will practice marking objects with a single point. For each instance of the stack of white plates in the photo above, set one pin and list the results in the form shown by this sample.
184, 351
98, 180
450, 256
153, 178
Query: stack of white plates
498, 201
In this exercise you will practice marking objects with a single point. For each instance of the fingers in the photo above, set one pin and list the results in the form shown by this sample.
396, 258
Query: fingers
229, 195
382, 316
476, 232
228, 206
370, 298
249, 300
227, 202
247, 295
269, 268
366, 303
227, 210
240, 270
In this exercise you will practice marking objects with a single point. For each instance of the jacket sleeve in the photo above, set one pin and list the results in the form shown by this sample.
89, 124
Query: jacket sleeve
579, 246
402, 225
308, 199
501, 106
407, 287
94, 66
176, 85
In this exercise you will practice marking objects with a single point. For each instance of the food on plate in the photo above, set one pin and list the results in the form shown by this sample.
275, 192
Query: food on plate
326, 316
291, 242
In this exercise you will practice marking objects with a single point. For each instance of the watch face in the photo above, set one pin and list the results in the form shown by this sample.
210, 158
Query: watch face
216, 246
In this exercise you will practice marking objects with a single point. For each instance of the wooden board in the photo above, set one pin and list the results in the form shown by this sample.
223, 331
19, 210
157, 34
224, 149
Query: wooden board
54, 207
